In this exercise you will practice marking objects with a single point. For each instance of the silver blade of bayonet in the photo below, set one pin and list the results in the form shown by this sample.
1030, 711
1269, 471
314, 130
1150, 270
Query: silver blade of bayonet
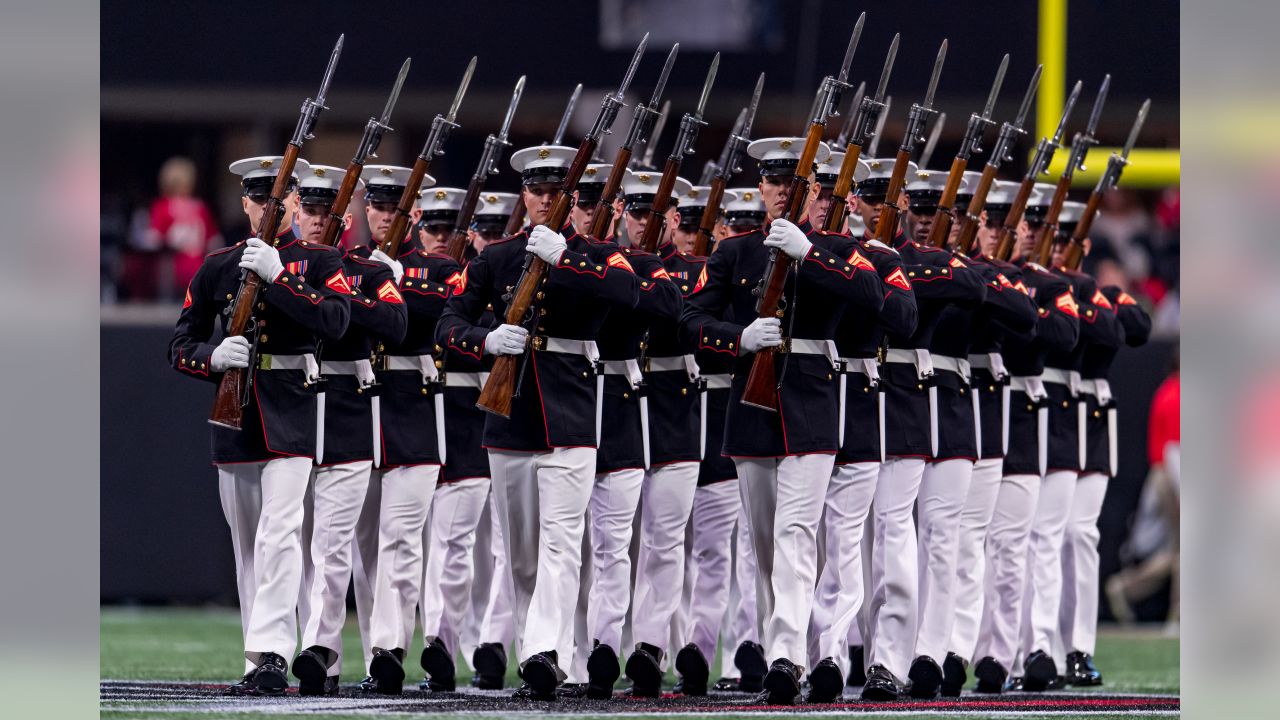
1066, 111
666, 73
635, 63
1025, 107
995, 88
1101, 100
751, 109
706, 86
875, 138
652, 143
328, 71
932, 142
937, 73
462, 89
843, 77
847, 127
568, 114
883, 85
395, 94
1137, 128
511, 110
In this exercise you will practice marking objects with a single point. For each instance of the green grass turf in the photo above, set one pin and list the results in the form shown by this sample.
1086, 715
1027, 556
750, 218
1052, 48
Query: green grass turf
204, 645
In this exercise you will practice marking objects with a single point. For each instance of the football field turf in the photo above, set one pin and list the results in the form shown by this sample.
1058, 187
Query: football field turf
169, 664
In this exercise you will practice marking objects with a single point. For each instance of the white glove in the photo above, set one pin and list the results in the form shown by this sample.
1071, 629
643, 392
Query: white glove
232, 352
762, 333
262, 259
397, 268
788, 238
546, 244
506, 340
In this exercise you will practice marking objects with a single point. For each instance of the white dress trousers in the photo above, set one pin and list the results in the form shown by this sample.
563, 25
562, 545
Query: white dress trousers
666, 502
1005, 583
971, 560
715, 514
449, 538
742, 620
1044, 566
1078, 616
397, 586
943, 491
894, 576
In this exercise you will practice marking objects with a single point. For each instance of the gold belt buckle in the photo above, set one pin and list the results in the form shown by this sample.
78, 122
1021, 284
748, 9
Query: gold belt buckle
539, 343
785, 347
264, 361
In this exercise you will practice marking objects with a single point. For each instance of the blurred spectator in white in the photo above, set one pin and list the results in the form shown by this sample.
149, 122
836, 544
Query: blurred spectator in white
164, 254
1151, 552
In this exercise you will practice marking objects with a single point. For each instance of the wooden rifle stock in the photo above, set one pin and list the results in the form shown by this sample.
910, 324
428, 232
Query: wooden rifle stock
1075, 251
762, 384
602, 219
844, 185
707, 225
1044, 238
399, 229
887, 222
457, 246
333, 226
941, 227
661, 201
973, 215
227, 408
499, 389
1008, 235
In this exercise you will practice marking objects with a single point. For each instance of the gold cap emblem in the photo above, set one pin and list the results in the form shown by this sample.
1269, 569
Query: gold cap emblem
644, 178
385, 171
441, 194
320, 171
492, 199
785, 144
748, 196
544, 153
266, 163
591, 171
693, 193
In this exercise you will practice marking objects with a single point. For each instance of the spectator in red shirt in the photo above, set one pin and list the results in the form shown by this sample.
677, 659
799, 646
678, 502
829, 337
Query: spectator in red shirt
180, 225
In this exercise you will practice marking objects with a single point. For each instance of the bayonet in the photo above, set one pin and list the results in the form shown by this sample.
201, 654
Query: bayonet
995, 88
751, 108
1137, 128
395, 95
847, 128
706, 85
843, 77
651, 143
927, 154
872, 111
511, 112
883, 85
462, 90
1110, 177
937, 74
567, 116
662, 77
875, 135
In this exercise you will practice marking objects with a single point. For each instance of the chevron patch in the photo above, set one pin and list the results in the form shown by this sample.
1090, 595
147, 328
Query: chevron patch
387, 292
1067, 304
338, 283
898, 279
620, 262
859, 261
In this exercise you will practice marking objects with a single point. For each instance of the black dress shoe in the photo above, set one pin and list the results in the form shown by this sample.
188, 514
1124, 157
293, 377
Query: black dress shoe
603, 670
693, 670
925, 677
727, 684
991, 675
571, 691
387, 671
490, 662
368, 684
438, 662
272, 675
857, 667
1040, 671
1014, 684
826, 682
644, 670
542, 675
527, 692
1081, 671
311, 667
245, 686
750, 661
782, 682
954, 675
881, 685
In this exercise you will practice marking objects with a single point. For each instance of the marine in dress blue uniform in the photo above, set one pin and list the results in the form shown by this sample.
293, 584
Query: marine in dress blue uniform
784, 458
345, 456
263, 469
543, 457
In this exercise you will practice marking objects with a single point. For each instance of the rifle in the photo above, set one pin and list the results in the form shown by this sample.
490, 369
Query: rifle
1075, 159
368, 148
642, 120
1003, 150
690, 124
874, 148
847, 128
516, 219
493, 146
935, 132
887, 222
1039, 164
865, 120
441, 126
1115, 165
762, 384
972, 143
724, 169
500, 388
234, 388
645, 159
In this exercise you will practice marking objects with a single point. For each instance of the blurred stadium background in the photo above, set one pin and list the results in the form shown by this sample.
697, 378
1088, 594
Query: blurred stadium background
213, 82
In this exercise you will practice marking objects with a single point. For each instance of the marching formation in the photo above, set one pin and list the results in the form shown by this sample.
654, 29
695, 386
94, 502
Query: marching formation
849, 422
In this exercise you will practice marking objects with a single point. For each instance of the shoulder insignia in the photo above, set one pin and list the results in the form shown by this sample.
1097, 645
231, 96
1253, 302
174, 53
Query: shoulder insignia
1126, 299
387, 292
702, 279
660, 274
1022, 286
1101, 300
898, 279
459, 281
1004, 281
338, 283
957, 262
617, 260
857, 260
1067, 304
186, 303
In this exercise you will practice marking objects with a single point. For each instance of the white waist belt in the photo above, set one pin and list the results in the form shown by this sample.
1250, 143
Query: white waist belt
718, 382
1070, 378
361, 369
1098, 388
424, 364
863, 366
630, 369
466, 379
305, 362
673, 363
1029, 384
805, 346
959, 366
992, 362
585, 348
921, 359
